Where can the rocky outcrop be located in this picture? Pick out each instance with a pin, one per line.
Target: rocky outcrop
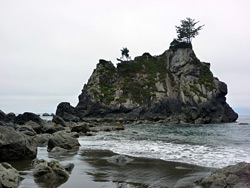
(15, 145)
(235, 176)
(9, 176)
(175, 86)
(64, 140)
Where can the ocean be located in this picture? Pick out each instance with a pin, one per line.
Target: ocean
(211, 145)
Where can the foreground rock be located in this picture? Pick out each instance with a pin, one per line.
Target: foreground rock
(9, 176)
(51, 170)
(15, 145)
(52, 174)
(174, 87)
(64, 140)
(235, 176)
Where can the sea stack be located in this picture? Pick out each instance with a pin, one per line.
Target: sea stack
(172, 87)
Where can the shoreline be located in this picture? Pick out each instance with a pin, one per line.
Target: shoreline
(93, 168)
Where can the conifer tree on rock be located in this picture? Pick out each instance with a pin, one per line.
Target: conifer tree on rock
(187, 30)
(125, 53)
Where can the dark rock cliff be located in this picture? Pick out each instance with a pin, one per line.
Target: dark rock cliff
(174, 87)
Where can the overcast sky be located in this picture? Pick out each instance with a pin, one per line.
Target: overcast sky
(49, 48)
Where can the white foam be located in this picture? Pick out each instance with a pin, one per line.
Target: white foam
(202, 155)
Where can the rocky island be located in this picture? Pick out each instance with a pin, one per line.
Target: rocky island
(172, 87)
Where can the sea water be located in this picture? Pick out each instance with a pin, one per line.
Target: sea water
(210, 145)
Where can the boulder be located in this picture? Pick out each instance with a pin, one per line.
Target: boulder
(50, 170)
(11, 116)
(64, 140)
(106, 129)
(119, 159)
(26, 130)
(46, 114)
(118, 128)
(243, 123)
(28, 116)
(2, 116)
(35, 126)
(234, 176)
(51, 127)
(90, 134)
(9, 176)
(80, 128)
(15, 145)
(59, 120)
(41, 140)
(69, 167)
(58, 150)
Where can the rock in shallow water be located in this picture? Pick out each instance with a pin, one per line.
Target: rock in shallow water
(51, 174)
(235, 176)
(9, 176)
(120, 159)
(51, 170)
(63, 140)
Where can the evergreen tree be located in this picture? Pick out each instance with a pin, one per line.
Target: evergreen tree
(125, 53)
(187, 30)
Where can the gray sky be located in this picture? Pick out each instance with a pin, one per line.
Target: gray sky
(48, 49)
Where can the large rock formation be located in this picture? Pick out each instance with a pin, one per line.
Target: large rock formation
(175, 86)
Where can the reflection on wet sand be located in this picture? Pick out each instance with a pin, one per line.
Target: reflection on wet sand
(95, 169)
(142, 172)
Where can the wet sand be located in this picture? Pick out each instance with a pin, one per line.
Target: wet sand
(93, 170)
